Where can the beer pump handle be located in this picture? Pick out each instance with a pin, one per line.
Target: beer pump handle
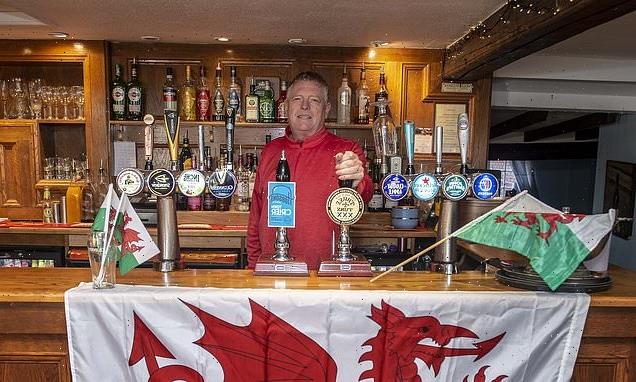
(345, 183)
(462, 132)
(282, 170)
(409, 142)
(201, 132)
(171, 121)
(439, 135)
(148, 145)
(230, 117)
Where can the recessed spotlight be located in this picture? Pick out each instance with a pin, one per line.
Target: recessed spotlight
(58, 34)
(297, 41)
(78, 46)
(222, 39)
(150, 38)
(379, 43)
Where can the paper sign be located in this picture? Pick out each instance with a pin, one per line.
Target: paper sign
(125, 156)
(281, 204)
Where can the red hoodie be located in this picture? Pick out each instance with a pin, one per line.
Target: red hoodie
(312, 167)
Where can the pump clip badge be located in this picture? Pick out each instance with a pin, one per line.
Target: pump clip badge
(281, 204)
(425, 187)
(485, 186)
(161, 182)
(395, 187)
(222, 184)
(455, 187)
(345, 206)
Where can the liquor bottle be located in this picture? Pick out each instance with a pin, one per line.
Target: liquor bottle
(219, 101)
(267, 105)
(188, 98)
(203, 97)
(376, 204)
(382, 94)
(169, 92)
(242, 187)
(282, 114)
(234, 94)
(118, 96)
(47, 206)
(102, 182)
(185, 156)
(362, 98)
(88, 199)
(134, 96)
(251, 104)
(344, 100)
(251, 165)
(74, 203)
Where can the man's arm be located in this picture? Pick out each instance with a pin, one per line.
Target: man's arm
(254, 249)
(352, 165)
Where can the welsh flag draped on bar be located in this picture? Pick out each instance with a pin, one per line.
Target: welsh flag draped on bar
(554, 242)
(134, 244)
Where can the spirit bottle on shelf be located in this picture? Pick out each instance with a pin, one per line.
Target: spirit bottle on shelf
(234, 94)
(188, 98)
(282, 115)
(266, 104)
(169, 92)
(218, 100)
(344, 100)
(251, 104)
(134, 96)
(102, 183)
(376, 204)
(47, 207)
(251, 166)
(382, 94)
(203, 97)
(118, 96)
(242, 187)
(362, 98)
(185, 156)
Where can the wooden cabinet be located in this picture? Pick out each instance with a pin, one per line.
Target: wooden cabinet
(19, 169)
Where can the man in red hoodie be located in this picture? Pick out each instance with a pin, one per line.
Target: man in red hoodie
(317, 160)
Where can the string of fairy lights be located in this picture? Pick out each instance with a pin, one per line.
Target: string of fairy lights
(502, 16)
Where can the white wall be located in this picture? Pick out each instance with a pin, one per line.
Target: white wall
(616, 142)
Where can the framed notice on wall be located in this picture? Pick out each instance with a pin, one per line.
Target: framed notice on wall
(446, 116)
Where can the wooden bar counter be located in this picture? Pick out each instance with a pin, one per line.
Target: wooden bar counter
(33, 345)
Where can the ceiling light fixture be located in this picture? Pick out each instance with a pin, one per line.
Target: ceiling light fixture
(58, 34)
(150, 38)
(222, 39)
(296, 41)
(379, 43)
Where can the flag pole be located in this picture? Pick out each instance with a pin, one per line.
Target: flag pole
(420, 253)
(100, 276)
(474, 221)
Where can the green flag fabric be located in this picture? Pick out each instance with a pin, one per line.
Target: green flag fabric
(555, 243)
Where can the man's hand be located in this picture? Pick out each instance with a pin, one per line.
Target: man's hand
(349, 166)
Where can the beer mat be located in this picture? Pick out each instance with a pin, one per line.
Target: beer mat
(194, 226)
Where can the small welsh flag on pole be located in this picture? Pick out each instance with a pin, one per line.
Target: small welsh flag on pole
(117, 217)
(554, 242)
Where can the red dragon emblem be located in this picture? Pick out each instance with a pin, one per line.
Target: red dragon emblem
(531, 221)
(270, 349)
(397, 345)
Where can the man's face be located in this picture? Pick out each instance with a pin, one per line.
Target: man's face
(308, 109)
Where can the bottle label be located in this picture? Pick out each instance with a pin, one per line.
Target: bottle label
(376, 202)
(203, 104)
(118, 94)
(188, 104)
(251, 109)
(234, 100)
(267, 109)
(282, 112)
(242, 189)
(134, 100)
(345, 98)
(170, 99)
(219, 104)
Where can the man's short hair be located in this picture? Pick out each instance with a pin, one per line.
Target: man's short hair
(312, 76)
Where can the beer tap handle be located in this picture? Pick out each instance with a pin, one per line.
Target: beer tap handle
(230, 117)
(439, 136)
(201, 131)
(171, 121)
(345, 183)
(462, 132)
(282, 170)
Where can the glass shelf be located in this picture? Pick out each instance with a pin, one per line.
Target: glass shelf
(262, 125)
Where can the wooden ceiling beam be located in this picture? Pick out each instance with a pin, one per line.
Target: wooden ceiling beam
(519, 122)
(496, 43)
(581, 123)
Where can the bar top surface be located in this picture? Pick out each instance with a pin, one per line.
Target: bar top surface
(47, 285)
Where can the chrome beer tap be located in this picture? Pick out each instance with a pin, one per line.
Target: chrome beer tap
(281, 244)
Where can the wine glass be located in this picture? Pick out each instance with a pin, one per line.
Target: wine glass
(78, 97)
(35, 96)
(65, 98)
(56, 100)
(20, 106)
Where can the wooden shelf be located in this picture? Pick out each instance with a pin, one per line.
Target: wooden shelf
(49, 121)
(56, 184)
(259, 125)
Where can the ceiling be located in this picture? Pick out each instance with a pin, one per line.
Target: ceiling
(402, 23)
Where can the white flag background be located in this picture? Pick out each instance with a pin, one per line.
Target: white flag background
(541, 340)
